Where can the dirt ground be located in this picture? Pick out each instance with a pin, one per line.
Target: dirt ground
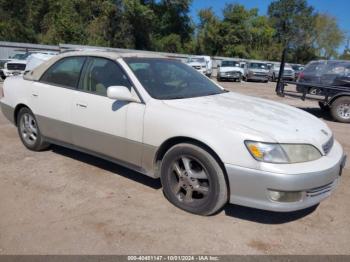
(64, 202)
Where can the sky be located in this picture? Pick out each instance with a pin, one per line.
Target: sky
(340, 9)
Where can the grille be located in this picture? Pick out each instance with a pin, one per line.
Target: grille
(328, 145)
(260, 74)
(317, 191)
(232, 73)
(16, 66)
(287, 72)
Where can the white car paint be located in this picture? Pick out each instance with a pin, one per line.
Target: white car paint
(231, 68)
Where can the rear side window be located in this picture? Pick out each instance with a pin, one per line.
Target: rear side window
(65, 72)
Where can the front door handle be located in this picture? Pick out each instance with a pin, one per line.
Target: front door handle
(81, 105)
(35, 95)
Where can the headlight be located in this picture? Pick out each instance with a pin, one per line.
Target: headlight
(282, 153)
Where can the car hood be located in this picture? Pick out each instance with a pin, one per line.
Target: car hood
(275, 121)
(16, 61)
(196, 64)
(230, 69)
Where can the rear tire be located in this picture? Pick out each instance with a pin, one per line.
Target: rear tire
(193, 180)
(29, 132)
(340, 109)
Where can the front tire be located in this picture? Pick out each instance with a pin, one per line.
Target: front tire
(340, 109)
(29, 132)
(193, 180)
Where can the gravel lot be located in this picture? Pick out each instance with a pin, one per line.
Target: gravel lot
(64, 202)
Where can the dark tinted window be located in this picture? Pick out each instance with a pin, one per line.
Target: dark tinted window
(65, 72)
(230, 63)
(257, 66)
(102, 73)
(170, 79)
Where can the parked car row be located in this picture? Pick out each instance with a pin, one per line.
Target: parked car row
(256, 71)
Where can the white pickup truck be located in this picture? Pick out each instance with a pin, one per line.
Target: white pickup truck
(202, 64)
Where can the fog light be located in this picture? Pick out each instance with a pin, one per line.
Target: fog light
(283, 196)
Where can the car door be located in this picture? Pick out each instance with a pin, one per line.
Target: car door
(102, 125)
(52, 98)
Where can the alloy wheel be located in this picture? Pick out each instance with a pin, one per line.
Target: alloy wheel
(28, 128)
(189, 180)
(343, 111)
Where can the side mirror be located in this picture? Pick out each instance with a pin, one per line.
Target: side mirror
(121, 93)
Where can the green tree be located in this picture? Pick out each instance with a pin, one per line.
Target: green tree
(209, 37)
(141, 19)
(328, 36)
(245, 33)
(62, 23)
(20, 20)
(293, 21)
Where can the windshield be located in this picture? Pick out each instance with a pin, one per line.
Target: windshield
(258, 66)
(196, 59)
(171, 79)
(21, 56)
(229, 63)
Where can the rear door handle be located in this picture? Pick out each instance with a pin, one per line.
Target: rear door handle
(35, 95)
(81, 105)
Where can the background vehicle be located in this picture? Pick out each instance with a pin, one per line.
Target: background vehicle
(324, 72)
(18, 63)
(36, 59)
(14, 67)
(327, 82)
(297, 69)
(288, 73)
(202, 64)
(230, 70)
(257, 71)
(2, 66)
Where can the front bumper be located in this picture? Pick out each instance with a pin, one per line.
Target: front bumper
(8, 73)
(258, 77)
(250, 187)
(235, 75)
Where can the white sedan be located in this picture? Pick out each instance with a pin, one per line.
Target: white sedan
(162, 118)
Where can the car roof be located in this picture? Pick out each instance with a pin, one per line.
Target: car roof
(37, 72)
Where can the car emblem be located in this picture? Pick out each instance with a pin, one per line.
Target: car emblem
(324, 132)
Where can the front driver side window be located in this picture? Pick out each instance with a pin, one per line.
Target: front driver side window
(65, 72)
(102, 73)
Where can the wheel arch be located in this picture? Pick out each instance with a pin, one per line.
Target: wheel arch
(339, 95)
(16, 111)
(167, 144)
